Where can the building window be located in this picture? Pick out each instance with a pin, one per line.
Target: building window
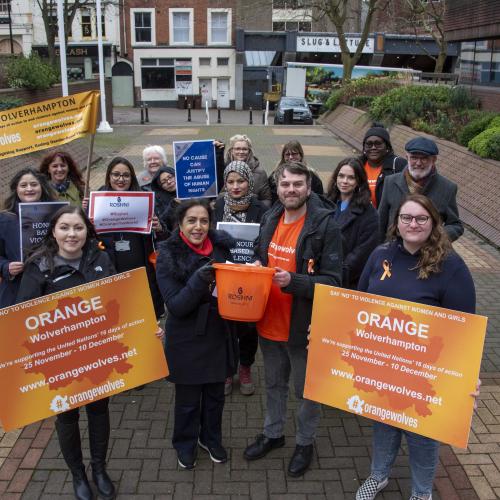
(291, 26)
(157, 74)
(219, 26)
(205, 61)
(290, 4)
(181, 26)
(4, 7)
(103, 26)
(480, 62)
(86, 23)
(143, 26)
(223, 61)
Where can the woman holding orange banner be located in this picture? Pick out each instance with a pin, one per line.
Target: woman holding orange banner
(199, 346)
(416, 264)
(27, 186)
(69, 256)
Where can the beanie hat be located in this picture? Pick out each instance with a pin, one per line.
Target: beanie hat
(378, 131)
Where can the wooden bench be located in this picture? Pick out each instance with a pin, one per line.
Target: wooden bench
(448, 78)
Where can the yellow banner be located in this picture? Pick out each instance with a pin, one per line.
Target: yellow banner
(67, 349)
(409, 365)
(46, 124)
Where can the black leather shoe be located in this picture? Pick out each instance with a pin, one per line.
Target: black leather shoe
(262, 446)
(301, 460)
(81, 486)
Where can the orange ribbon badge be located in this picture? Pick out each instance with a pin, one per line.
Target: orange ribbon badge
(387, 270)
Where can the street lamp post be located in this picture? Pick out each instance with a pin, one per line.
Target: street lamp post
(9, 12)
(62, 47)
(104, 125)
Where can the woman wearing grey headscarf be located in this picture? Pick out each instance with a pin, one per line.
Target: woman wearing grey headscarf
(239, 204)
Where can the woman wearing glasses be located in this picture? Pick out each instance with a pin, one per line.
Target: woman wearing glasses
(240, 149)
(293, 151)
(379, 160)
(422, 268)
(130, 250)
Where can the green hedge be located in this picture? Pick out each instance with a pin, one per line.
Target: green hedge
(487, 143)
(30, 73)
(476, 125)
(10, 102)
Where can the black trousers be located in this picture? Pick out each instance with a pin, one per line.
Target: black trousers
(248, 341)
(93, 409)
(198, 414)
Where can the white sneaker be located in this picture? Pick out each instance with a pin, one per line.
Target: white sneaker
(370, 488)
(415, 497)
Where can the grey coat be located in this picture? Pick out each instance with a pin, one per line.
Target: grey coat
(441, 191)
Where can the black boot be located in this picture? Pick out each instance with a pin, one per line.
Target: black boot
(69, 440)
(98, 438)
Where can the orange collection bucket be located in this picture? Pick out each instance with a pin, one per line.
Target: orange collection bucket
(242, 290)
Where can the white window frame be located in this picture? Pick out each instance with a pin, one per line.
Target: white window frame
(152, 11)
(181, 10)
(229, 27)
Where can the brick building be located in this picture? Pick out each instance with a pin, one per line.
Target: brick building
(477, 26)
(179, 49)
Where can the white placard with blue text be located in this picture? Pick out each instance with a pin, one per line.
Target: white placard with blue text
(195, 169)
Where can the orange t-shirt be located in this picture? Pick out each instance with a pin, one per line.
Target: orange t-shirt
(275, 325)
(372, 173)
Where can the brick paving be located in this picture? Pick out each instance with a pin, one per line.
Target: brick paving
(141, 459)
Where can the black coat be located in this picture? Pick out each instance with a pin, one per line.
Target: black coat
(254, 213)
(391, 165)
(321, 241)
(37, 280)
(359, 226)
(9, 252)
(200, 346)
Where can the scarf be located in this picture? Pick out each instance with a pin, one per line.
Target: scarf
(236, 210)
(62, 187)
(206, 248)
(414, 186)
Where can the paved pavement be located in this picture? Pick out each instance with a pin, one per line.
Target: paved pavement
(141, 459)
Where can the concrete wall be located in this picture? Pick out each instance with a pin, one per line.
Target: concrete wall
(478, 179)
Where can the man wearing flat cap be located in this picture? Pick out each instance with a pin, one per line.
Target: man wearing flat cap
(421, 176)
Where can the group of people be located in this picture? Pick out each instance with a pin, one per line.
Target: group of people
(378, 212)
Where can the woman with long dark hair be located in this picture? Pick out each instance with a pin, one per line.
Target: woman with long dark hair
(199, 344)
(358, 219)
(129, 250)
(27, 186)
(69, 256)
(423, 268)
(64, 176)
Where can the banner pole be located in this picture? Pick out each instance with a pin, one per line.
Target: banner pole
(89, 159)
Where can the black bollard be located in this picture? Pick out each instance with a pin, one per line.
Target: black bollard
(146, 109)
(251, 119)
(189, 112)
(263, 117)
(218, 115)
(142, 114)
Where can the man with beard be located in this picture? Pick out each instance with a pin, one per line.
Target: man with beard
(420, 176)
(300, 239)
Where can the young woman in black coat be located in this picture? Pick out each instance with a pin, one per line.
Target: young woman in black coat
(199, 344)
(68, 257)
(239, 204)
(130, 250)
(348, 190)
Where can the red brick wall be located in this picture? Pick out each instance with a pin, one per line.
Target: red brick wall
(162, 19)
(466, 19)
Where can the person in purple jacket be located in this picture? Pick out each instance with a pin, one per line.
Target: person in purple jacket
(417, 263)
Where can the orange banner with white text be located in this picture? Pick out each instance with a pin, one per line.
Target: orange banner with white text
(47, 124)
(402, 363)
(67, 349)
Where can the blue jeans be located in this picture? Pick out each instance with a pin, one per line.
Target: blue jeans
(280, 360)
(423, 453)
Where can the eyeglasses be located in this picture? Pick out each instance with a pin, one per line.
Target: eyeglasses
(289, 154)
(419, 219)
(415, 159)
(117, 175)
(374, 144)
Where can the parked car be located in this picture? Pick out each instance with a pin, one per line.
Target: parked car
(301, 111)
